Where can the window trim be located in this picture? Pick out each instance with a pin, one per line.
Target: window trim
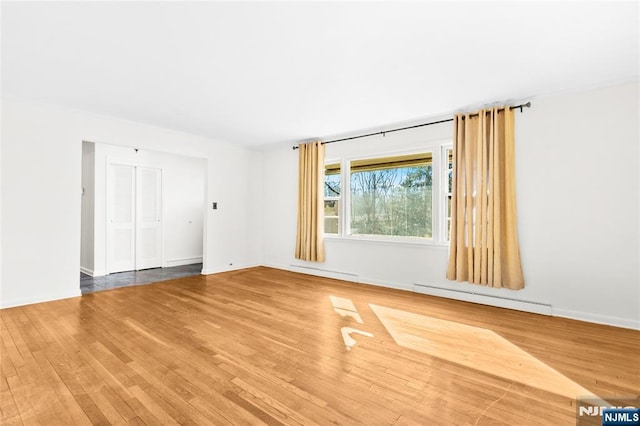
(437, 148)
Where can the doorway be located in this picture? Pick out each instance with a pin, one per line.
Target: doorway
(143, 214)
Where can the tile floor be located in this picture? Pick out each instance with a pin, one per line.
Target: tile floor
(89, 284)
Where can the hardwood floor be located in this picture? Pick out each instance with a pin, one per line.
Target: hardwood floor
(267, 346)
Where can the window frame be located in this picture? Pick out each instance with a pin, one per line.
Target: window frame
(439, 218)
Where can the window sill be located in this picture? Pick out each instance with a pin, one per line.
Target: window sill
(389, 241)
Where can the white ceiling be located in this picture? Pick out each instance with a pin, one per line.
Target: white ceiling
(266, 72)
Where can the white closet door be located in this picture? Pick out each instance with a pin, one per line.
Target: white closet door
(149, 218)
(121, 224)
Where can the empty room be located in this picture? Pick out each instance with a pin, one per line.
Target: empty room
(313, 213)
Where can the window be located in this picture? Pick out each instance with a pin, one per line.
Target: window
(332, 180)
(396, 197)
(392, 196)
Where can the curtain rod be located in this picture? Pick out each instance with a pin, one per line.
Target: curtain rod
(383, 132)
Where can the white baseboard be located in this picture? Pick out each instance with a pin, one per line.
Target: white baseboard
(500, 302)
(99, 273)
(181, 262)
(39, 298)
(228, 268)
(598, 319)
(87, 271)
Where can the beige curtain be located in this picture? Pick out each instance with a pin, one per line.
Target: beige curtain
(309, 240)
(484, 240)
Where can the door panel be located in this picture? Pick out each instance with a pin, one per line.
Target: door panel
(121, 219)
(149, 218)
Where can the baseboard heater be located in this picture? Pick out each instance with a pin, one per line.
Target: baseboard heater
(474, 297)
(346, 276)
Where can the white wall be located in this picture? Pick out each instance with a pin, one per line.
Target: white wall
(183, 199)
(183, 202)
(579, 203)
(578, 192)
(41, 206)
(88, 208)
(1, 186)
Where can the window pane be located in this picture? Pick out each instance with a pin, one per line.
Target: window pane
(332, 180)
(331, 216)
(387, 200)
(331, 208)
(330, 225)
(332, 186)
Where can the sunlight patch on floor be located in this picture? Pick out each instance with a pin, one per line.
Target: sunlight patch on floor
(476, 348)
(345, 308)
(349, 341)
